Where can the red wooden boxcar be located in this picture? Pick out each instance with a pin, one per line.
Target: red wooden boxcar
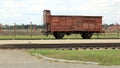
(59, 25)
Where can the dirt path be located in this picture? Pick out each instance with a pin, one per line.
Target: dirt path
(21, 59)
(59, 41)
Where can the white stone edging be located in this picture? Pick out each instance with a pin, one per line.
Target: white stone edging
(61, 60)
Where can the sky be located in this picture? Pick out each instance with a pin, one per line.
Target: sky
(26, 11)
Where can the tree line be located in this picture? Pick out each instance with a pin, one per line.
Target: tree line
(22, 26)
(34, 26)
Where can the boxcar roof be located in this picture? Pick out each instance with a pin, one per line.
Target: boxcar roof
(74, 16)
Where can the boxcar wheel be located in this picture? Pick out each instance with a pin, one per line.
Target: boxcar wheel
(86, 35)
(58, 35)
(83, 36)
(55, 35)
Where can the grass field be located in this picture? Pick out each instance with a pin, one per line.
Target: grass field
(104, 57)
(73, 36)
(26, 37)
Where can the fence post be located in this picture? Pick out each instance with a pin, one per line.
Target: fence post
(98, 35)
(1, 28)
(14, 29)
(118, 33)
(31, 29)
(34, 28)
(104, 34)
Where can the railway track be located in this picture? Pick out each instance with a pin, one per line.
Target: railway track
(61, 44)
(70, 46)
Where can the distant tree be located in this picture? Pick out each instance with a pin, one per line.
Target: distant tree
(6, 26)
(9, 27)
(111, 24)
(105, 26)
(0, 27)
(22, 26)
(27, 26)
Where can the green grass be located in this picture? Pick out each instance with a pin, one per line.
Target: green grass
(104, 57)
(73, 36)
(26, 37)
(107, 35)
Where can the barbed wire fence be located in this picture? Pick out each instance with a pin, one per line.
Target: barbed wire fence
(31, 30)
(13, 31)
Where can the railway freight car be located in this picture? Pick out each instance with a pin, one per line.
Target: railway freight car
(59, 25)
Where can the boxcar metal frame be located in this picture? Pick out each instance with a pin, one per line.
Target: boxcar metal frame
(59, 25)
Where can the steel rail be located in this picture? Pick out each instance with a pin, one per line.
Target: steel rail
(70, 45)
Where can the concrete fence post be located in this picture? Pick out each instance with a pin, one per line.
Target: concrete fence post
(15, 29)
(31, 29)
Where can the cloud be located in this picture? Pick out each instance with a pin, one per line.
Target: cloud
(31, 10)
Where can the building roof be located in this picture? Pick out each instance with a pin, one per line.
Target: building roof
(114, 28)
